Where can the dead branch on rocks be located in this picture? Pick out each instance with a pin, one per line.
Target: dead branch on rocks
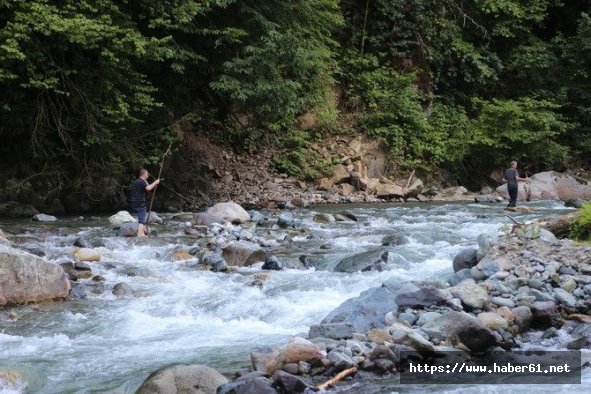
(338, 377)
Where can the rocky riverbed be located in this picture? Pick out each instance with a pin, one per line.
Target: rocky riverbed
(520, 288)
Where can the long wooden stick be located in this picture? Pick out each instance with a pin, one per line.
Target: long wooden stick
(156, 187)
(340, 376)
(409, 179)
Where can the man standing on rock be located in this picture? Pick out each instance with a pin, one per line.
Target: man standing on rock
(139, 187)
(511, 178)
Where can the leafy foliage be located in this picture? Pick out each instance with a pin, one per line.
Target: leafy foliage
(92, 89)
(581, 229)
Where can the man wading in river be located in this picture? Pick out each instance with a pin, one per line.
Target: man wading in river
(511, 178)
(139, 187)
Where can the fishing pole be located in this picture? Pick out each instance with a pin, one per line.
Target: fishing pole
(156, 187)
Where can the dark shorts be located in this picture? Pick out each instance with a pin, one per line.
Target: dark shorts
(140, 211)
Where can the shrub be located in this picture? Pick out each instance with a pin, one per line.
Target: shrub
(581, 229)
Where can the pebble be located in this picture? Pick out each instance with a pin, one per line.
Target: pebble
(503, 302)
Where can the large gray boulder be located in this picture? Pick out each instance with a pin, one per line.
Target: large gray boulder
(550, 185)
(25, 278)
(243, 253)
(206, 219)
(465, 259)
(369, 309)
(186, 379)
(230, 212)
(460, 327)
(121, 217)
(363, 261)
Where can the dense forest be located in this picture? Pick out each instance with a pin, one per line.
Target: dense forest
(90, 89)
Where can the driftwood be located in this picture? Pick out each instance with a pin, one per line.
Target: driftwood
(409, 179)
(338, 377)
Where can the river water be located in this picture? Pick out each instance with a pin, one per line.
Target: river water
(180, 315)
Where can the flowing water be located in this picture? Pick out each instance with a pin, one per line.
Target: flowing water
(181, 315)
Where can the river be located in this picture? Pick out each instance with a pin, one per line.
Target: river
(181, 315)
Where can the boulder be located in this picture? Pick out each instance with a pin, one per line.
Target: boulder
(324, 218)
(86, 254)
(41, 217)
(460, 276)
(362, 261)
(371, 306)
(340, 174)
(461, 327)
(288, 383)
(14, 209)
(395, 240)
(575, 203)
(325, 184)
(561, 225)
(285, 220)
(332, 331)
(544, 314)
(153, 217)
(465, 259)
(128, 229)
(550, 185)
(25, 278)
(230, 212)
(523, 317)
(300, 349)
(188, 379)
(425, 297)
(472, 295)
(121, 217)
(243, 253)
(258, 385)
(493, 320)
(121, 290)
(205, 219)
(272, 263)
(387, 190)
(415, 188)
(347, 189)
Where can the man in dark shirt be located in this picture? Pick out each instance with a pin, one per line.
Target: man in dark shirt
(511, 177)
(139, 187)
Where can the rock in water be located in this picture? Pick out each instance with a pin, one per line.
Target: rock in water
(189, 379)
(362, 261)
(230, 212)
(121, 217)
(154, 218)
(243, 253)
(41, 217)
(285, 220)
(25, 277)
(465, 259)
(86, 254)
(128, 229)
